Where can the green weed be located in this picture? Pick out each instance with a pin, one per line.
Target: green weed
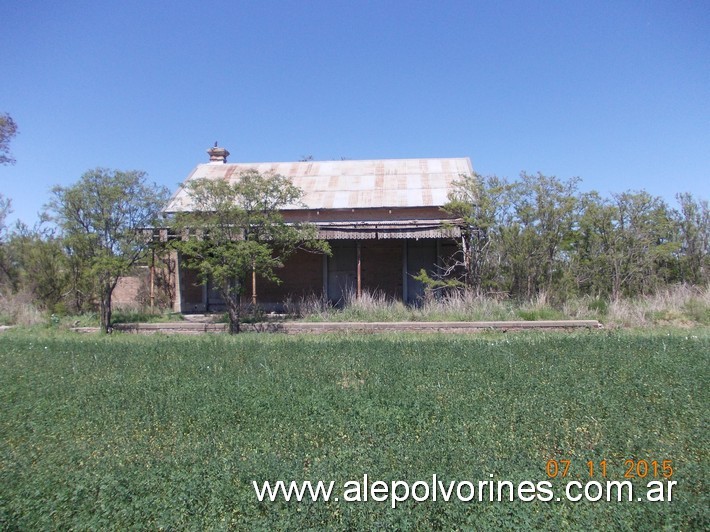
(697, 311)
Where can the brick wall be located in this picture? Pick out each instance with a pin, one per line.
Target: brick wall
(128, 290)
(133, 291)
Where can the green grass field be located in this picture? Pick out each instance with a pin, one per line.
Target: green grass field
(169, 432)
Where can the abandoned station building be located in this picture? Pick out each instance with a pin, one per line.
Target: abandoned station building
(382, 218)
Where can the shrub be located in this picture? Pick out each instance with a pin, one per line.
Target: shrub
(697, 310)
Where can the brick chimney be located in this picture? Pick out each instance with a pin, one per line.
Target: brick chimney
(218, 155)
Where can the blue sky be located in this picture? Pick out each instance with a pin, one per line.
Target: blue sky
(617, 92)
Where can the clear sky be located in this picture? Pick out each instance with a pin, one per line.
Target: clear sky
(615, 92)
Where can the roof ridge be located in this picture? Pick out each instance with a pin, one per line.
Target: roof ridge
(344, 161)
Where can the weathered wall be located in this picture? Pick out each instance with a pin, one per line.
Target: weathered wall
(190, 291)
(134, 291)
(302, 275)
(381, 267)
(128, 290)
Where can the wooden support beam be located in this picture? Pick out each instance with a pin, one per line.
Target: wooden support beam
(325, 278)
(405, 291)
(177, 304)
(359, 271)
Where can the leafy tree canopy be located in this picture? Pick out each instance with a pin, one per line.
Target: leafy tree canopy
(8, 129)
(236, 228)
(102, 217)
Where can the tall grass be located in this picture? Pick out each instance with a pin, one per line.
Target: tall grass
(676, 305)
(19, 309)
(679, 305)
(144, 315)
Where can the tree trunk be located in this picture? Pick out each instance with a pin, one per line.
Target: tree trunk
(233, 298)
(233, 311)
(105, 309)
(615, 282)
(466, 260)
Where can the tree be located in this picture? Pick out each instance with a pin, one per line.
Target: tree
(643, 226)
(597, 247)
(238, 228)
(624, 244)
(5, 268)
(536, 240)
(102, 217)
(693, 225)
(478, 205)
(515, 237)
(5, 209)
(8, 129)
(39, 264)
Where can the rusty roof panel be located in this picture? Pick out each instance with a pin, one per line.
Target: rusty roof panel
(349, 184)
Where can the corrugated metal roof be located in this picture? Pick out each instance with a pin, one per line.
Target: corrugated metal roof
(349, 184)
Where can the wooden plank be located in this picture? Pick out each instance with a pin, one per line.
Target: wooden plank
(359, 269)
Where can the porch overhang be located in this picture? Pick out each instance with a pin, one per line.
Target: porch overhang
(381, 230)
(370, 230)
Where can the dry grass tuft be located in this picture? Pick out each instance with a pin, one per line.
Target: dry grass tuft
(676, 305)
(18, 309)
(680, 305)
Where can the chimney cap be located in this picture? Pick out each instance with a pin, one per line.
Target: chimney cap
(218, 154)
